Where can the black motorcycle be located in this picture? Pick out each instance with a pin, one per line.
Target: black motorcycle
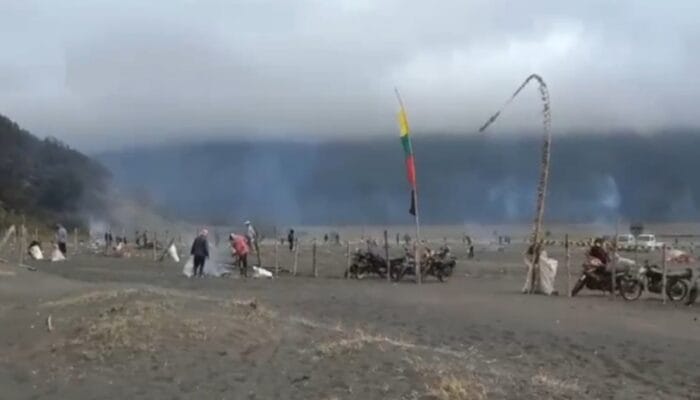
(597, 278)
(652, 276)
(365, 263)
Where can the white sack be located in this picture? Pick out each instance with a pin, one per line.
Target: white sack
(188, 270)
(35, 253)
(548, 272)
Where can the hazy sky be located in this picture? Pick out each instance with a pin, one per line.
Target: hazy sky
(105, 72)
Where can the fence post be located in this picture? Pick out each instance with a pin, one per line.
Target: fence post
(347, 259)
(296, 257)
(568, 264)
(155, 242)
(313, 259)
(20, 247)
(75, 240)
(277, 259)
(663, 281)
(386, 254)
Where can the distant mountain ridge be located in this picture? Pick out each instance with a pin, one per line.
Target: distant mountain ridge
(485, 179)
(46, 180)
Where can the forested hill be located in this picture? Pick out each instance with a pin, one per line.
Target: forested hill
(46, 180)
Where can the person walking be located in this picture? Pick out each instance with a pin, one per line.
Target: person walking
(61, 238)
(200, 252)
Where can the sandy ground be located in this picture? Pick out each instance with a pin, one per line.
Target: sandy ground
(135, 328)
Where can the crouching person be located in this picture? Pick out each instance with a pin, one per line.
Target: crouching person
(239, 244)
(200, 252)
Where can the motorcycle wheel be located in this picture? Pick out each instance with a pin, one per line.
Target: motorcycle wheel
(580, 283)
(630, 289)
(677, 290)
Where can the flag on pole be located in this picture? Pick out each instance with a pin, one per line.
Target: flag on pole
(410, 159)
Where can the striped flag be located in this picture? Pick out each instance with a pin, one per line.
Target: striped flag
(410, 159)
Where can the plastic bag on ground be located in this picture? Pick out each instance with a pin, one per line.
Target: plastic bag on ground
(172, 252)
(56, 255)
(188, 269)
(261, 273)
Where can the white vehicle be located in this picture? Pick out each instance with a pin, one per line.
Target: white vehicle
(647, 241)
(626, 242)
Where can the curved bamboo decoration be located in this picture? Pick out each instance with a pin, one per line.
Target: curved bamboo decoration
(533, 274)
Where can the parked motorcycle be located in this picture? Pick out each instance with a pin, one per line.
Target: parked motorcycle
(365, 263)
(439, 264)
(677, 283)
(596, 278)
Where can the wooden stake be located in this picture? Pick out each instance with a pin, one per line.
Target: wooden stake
(386, 254)
(296, 257)
(313, 259)
(663, 280)
(36, 234)
(568, 264)
(75, 240)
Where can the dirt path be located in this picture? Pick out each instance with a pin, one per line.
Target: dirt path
(331, 338)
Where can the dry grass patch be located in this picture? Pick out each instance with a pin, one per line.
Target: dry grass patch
(451, 387)
(137, 326)
(356, 341)
(553, 384)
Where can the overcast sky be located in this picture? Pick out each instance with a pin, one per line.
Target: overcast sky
(106, 72)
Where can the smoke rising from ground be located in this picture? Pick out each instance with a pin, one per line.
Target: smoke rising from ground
(460, 179)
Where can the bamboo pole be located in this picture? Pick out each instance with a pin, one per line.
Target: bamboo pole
(296, 257)
(386, 254)
(568, 264)
(313, 259)
(663, 280)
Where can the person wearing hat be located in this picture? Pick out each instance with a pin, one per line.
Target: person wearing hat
(200, 252)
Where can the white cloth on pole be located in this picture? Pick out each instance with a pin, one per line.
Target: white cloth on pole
(547, 275)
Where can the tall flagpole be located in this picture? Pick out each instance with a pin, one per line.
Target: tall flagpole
(416, 215)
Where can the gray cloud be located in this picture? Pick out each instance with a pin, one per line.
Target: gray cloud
(106, 72)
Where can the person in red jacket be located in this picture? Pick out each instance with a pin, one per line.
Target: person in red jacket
(239, 244)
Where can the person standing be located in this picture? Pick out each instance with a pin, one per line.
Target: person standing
(290, 239)
(61, 238)
(253, 240)
(200, 252)
(240, 247)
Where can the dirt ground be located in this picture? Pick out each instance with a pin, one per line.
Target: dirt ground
(135, 328)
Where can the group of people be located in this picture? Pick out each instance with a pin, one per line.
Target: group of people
(240, 248)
